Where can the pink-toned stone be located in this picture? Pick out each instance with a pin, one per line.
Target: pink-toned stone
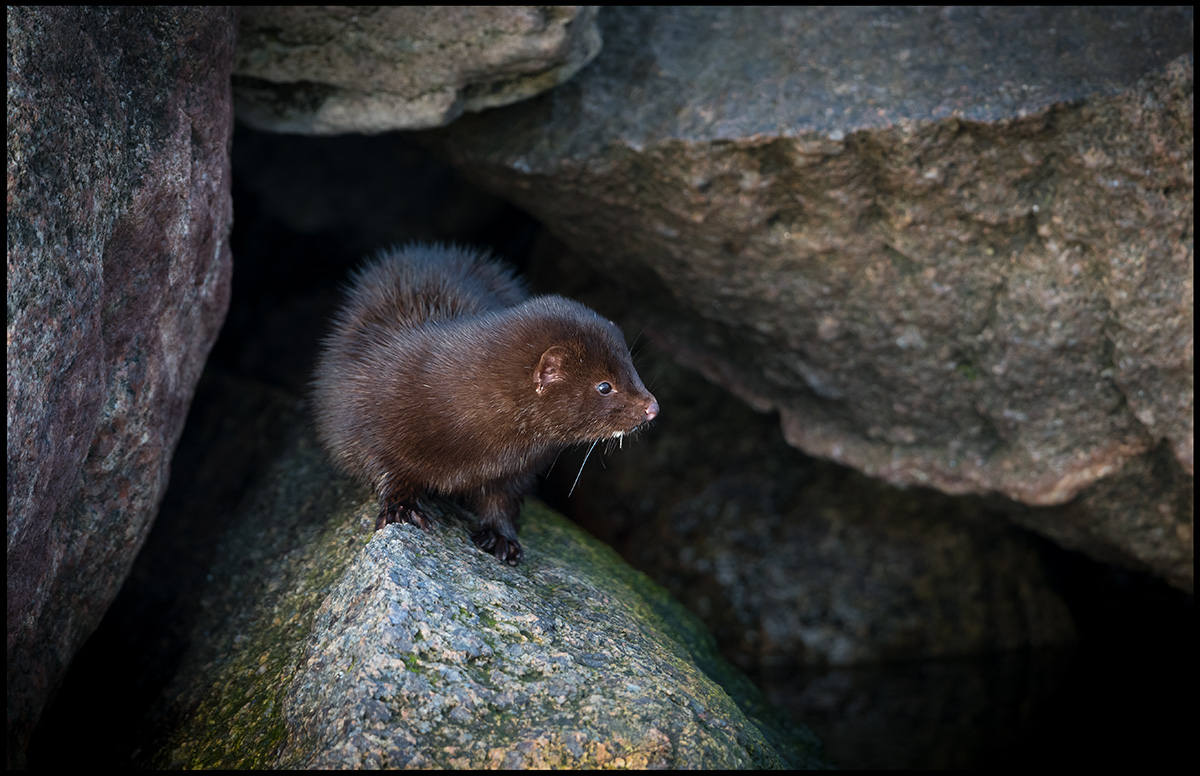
(119, 122)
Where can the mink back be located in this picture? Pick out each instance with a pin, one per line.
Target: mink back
(386, 301)
(406, 287)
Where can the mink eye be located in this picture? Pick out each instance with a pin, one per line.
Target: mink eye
(604, 388)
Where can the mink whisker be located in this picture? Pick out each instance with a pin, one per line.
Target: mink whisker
(577, 476)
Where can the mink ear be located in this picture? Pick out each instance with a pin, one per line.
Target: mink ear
(550, 368)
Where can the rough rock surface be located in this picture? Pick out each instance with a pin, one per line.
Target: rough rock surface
(327, 70)
(323, 643)
(952, 247)
(119, 121)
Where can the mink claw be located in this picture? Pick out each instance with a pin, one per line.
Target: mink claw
(507, 550)
(401, 513)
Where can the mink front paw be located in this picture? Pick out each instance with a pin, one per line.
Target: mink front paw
(504, 548)
(398, 512)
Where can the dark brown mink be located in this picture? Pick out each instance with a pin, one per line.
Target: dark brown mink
(442, 375)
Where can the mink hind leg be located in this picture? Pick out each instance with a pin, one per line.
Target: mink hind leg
(497, 509)
(398, 504)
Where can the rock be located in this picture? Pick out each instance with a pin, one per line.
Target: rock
(119, 121)
(953, 248)
(319, 642)
(327, 70)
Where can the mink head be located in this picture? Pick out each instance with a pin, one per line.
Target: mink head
(583, 378)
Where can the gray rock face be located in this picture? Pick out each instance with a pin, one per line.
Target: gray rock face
(323, 643)
(118, 279)
(418, 662)
(951, 247)
(326, 70)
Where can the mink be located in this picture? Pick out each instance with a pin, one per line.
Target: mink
(442, 375)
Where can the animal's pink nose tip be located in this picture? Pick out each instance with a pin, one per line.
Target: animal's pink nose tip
(652, 410)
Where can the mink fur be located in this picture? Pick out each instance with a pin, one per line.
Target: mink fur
(442, 375)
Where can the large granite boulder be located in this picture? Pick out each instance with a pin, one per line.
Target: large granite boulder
(314, 641)
(952, 248)
(119, 121)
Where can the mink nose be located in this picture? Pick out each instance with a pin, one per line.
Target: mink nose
(652, 410)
